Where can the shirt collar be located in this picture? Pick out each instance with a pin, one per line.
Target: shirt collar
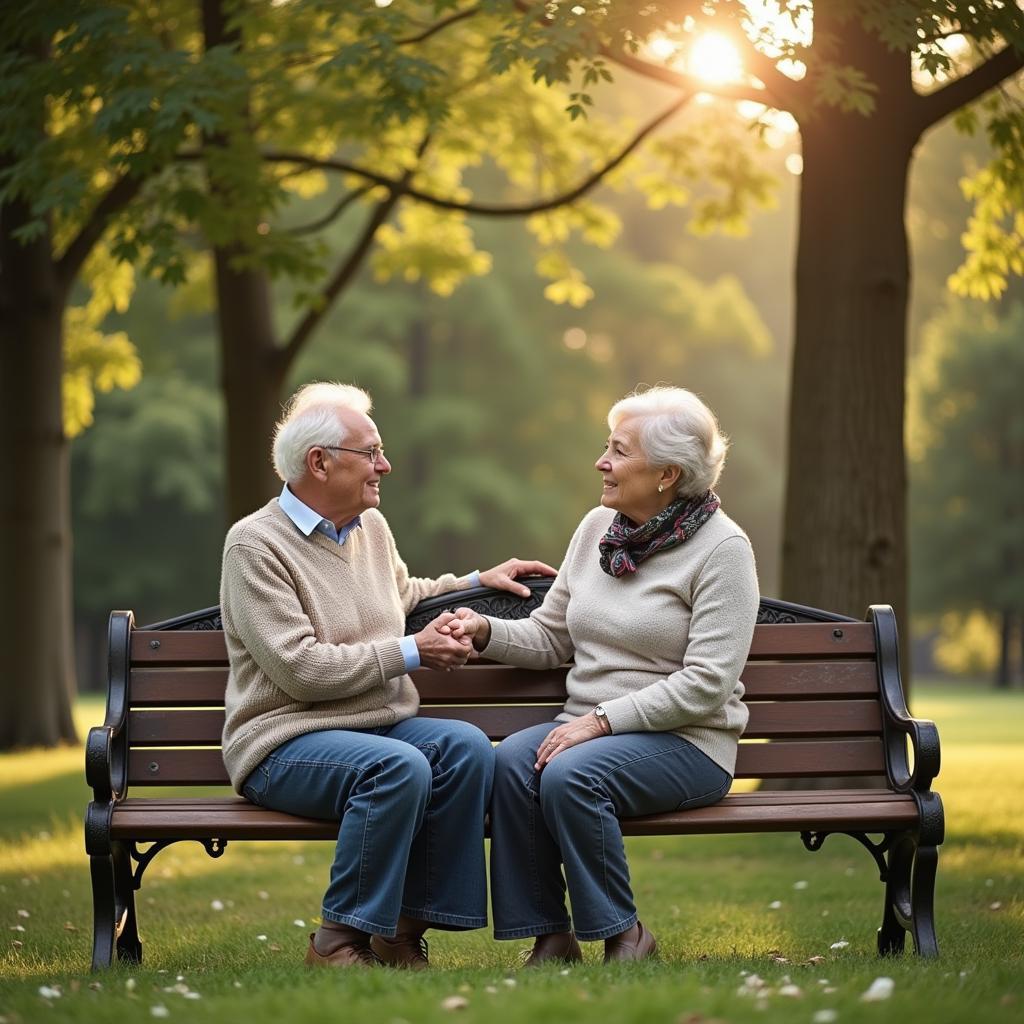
(308, 519)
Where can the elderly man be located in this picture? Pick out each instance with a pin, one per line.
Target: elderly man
(320, 710)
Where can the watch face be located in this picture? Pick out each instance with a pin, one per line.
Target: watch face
(600, 711)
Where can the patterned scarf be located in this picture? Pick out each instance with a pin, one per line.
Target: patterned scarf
(625, 545)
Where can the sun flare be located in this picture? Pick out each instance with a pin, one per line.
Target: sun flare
(714, 58)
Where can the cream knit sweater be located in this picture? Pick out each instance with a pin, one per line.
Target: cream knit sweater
(662, 649)
(312, 630)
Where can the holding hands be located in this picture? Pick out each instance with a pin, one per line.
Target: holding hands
(448, 641)
(440, 647)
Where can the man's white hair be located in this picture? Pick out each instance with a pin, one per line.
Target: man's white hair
(676, 429)
(311, 418)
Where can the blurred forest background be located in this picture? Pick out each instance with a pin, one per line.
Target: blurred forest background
(492, 402)
(494, 329)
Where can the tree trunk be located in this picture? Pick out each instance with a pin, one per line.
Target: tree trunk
(1005, 634)
(844, 532)
(844, 539)
(252, 375)
(37, 680)
(252, 363)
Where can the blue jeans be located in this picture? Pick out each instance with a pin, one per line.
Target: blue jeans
(411, 798)
(567, 817)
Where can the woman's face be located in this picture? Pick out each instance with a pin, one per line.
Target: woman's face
(630, 482)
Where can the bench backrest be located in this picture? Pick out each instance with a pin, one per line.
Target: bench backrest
(814, 689)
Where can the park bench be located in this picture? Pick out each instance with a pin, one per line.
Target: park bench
(823, 689)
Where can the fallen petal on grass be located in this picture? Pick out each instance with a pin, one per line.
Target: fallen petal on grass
(841, 944)
(454, 1003)
(880, 988)
(775, 905)
(216, 905)
(800, 885)
(159, 1011)
(50, 991)
(825, 1017)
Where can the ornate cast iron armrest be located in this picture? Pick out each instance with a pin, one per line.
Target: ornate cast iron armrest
(106, 749)
(98, 757)
(897, 722)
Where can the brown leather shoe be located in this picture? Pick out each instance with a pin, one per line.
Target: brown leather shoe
(407, 951)
(636, 943)
(351, 954)
(560, 946)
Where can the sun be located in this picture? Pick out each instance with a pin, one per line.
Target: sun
(714, 58)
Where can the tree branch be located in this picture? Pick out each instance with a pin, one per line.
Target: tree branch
(438, 26)
(479, 209)
(347, 268)
(937, 105)
(119, 195)
(333, 214)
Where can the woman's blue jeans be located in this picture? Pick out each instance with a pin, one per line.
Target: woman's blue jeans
(566, 817)
(411, 799)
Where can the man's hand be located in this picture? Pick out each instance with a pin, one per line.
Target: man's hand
(568, 735)
(439, 648)
(503, 577)
(468, 623)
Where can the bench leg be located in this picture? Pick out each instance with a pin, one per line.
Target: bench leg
(909, 898)
(129, 948)
(896, 913)
(922, 898)
(103, 911)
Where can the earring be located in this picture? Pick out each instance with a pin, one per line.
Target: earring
(660, 488)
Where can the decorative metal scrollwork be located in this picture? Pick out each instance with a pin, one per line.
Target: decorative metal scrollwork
(143, 858)
(814, 841)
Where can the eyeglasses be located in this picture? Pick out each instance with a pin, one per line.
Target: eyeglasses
(374, 453)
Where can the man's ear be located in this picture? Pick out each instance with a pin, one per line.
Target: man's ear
(316, 464)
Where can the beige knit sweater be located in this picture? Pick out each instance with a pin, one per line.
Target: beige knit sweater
(312, 630)
(662, 649)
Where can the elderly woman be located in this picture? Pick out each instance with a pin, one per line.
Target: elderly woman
(656, 602)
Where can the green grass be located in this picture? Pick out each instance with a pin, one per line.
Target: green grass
(707, 899)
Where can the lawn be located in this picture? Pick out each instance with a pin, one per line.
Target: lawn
(224, 938)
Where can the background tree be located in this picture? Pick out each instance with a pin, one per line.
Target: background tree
(863, 81)
(966, 443)
(93, 107)
(403, 110)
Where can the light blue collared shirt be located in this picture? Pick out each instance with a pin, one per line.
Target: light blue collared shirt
(308, 521)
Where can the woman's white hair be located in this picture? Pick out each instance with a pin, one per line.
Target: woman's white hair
(676, 429)
(311, 418)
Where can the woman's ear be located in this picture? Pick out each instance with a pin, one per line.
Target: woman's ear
(669, 478)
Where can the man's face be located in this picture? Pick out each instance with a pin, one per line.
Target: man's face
(353, 480)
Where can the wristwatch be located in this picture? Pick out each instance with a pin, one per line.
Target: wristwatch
(602, 717)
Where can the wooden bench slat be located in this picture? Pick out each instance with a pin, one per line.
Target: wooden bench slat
(784, 759)
(501, 684)
(804, 640)
(234, 818)
(203, 728)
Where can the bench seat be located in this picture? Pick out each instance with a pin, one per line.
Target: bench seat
(147, 819)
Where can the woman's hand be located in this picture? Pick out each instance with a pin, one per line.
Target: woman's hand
(588, 727)
(470, 625)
